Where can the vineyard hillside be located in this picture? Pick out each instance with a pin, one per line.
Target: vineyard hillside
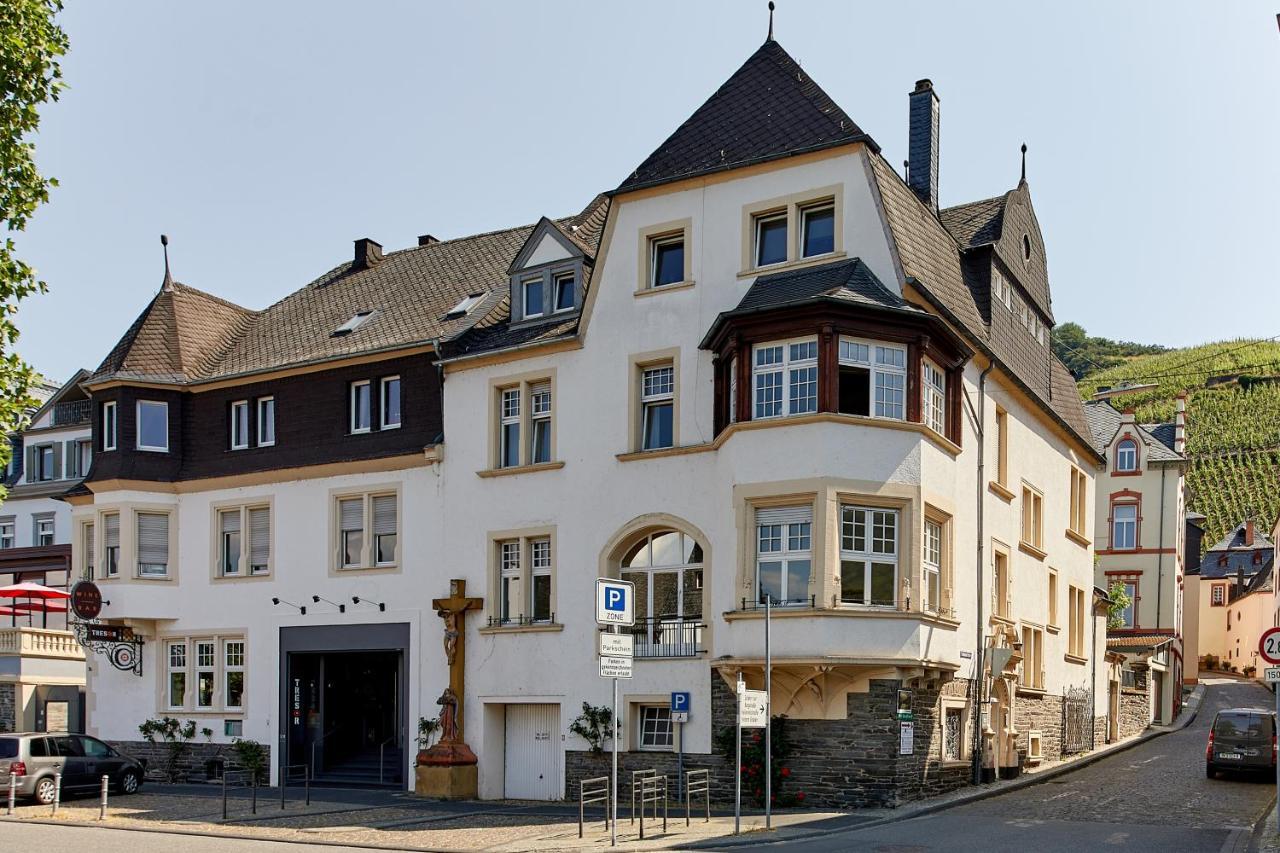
(1233, 427)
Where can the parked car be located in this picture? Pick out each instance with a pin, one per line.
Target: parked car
(1241, 739)
(35, 757)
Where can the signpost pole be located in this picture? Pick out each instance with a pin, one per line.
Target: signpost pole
(737, 764)
(1269, 649)
(613, 807)
(768, 720)
(680, 763)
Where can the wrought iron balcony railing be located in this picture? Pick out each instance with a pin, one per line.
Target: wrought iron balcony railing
(519, 620)
(74, 412)
(667, 637)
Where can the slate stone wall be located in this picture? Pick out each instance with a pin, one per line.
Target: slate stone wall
(192, 767)
(8, 707)
(1135, 710)
(1042, 713)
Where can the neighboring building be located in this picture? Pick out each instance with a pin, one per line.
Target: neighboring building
(1236, 598)
(42, 671)
(1140, 540)
(764, 364)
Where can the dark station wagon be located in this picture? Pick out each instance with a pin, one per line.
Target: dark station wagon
(34, 758)
(1241, 739)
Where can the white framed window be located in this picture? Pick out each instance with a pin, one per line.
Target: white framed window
(934, 391)
(509, 580)
(153, 544)
(931, 590)
(540, 588)
(509, 428)
(564, 292)
(368, 530)
(84, 457)
(784, 554)
(869, 555)
(233, 674)
(153, 425)
(259, 540)
(176, 688)
(657, 403)
(8, 532)
(540, 423)
(361, 418)
(109, 425)
(655, 729)
(351, 531)
(229, 544)
(1124, 526)
(44, 463)
(384, 529)
(733, 390)
(771, 238)
(666, 567)
(110, 544)
(44, 532)
(785, 378)
(266, 421)
(1127, 455)
(1219, 595)
(873, 379)
(817, 229)
(206, 672)
(390, 408)
(1129, 615)
(240, 425)
(1032, 517)
(531, 293)
(666, 260)
(87, 541)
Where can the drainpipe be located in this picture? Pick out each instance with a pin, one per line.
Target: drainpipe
(978, 657)
(1093, 675)
(1164, 470)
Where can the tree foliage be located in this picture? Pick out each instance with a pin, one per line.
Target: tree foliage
(1120, 602)
(31, 45)
(593, 725)
(1083, 354)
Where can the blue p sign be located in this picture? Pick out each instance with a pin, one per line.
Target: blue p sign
(615, 598)
(614, 602)
(680, 702)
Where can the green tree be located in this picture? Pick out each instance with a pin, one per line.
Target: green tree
(1083, 354)
(1120, 602)
(31, 44)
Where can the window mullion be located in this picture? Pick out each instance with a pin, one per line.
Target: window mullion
(366, 544)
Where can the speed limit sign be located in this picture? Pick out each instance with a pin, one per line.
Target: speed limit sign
(1269, 646)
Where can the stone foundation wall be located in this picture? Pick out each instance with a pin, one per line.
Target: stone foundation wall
(192, 767)
(1135, 711)
(1100, 731)
(1042, 713)
(8, 707)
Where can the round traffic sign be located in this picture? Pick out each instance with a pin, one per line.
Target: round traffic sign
(1269, 646)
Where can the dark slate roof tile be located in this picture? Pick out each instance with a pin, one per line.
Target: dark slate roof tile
(977, 223)
(849, 280)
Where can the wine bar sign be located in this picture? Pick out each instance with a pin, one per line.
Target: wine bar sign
(118, 642)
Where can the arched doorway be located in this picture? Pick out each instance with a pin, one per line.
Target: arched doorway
(667, 566)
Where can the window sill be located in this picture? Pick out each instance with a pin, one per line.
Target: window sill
(355, 570)
(1028, 548)
(153, 578)
(952, 764)
(519, 469)
(232, 578)
(997, 619)
(788, 265)
(536, 628)
(1000, 491)
(1023, 689)
(1137, 473)
(1052, 629)
(1078, 538)
(1070, 658)
(665, 288)
(662, 452)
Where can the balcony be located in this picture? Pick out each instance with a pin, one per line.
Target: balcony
(667, 637)
(73, 413)
(40, 643)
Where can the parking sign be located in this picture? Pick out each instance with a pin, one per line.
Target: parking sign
(680, 703)
(615, 602)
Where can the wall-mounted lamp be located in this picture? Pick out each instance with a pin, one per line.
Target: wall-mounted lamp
(355, 599)
(278, 602)
(342, 608)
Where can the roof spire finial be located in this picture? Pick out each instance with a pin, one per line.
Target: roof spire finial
(770, 38)
(1024, 163)
(167, 285)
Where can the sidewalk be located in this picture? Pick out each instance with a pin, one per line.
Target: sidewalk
(400, 821)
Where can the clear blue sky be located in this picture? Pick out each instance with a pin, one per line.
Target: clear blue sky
(265, 137)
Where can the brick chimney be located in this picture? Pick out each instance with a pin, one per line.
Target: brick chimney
(1248, 532)
(368, 254)
(427, 240)
(1180, 424)
(922, 143)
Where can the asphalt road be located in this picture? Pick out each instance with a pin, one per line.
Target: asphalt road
(1153, 797)
(46, 838)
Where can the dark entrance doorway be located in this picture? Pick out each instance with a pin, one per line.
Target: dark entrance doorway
(345, 711)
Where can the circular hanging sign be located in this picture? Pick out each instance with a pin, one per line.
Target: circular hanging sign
(1269, 646)
(86, 600)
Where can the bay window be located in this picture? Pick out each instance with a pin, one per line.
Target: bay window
(873, 379)
(785, 378)
(868, 556)
(933, 407)
(931, 584)
(784, 554)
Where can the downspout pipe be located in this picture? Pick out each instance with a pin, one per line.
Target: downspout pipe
(978, 656)
(1164, 470)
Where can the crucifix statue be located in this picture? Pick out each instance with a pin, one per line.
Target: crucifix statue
(453, 610)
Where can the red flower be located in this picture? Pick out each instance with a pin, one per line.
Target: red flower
(800, 796)
(786, 771)
(743, 768)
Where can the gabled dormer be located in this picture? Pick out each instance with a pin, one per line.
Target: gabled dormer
(546, 277)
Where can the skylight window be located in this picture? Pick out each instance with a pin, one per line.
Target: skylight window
(464, 306)
(357, 320)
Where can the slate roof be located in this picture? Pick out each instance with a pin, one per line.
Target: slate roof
(977, 223)
(848, 280)
(931, 260)
(769, 109)
(1104, 422)
(1239, 556)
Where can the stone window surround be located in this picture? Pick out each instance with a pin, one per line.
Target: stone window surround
(636, 365)
(1126, 497)
(128, 562)
(791, 205)
(36, 518)
(1078, 513)
(826, 495)
(951, 703)
(493, 598)
(216, 508)
(188, 707)
(367, 492)
(523, 381)
(633, 702)
(645, 271)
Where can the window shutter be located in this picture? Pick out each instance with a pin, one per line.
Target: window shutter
(230, 521)
(153, 538)
(351, 514)
(111, 531)
(384, 514)
(57, 460)
(88, 545)
(31, 464)
(259, 536)
(784, 515)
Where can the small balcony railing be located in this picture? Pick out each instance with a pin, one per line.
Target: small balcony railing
(808, 601)
(74, 412)
(519, 620)
(667, 637)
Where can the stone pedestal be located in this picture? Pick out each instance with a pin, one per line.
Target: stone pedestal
(447, 771)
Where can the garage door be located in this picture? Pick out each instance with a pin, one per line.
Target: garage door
(533, 752)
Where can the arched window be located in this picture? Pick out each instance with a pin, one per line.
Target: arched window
(1127, 455)
(666, 567)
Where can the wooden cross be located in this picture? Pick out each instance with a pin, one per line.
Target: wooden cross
(453, 611)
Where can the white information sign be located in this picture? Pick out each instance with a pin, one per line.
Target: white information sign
(753, 709)
(615, 667)
(1272, 673)
(617, 646)
(615, 602)
(679, 716)
(907, 741)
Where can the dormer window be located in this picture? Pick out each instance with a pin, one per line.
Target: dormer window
(357, 320)
(464, 306)
(1127, 455)
(564, 292)
(818, 235)
(532, 295)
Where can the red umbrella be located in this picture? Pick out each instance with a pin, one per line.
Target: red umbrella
(39, 607)
(27, 589)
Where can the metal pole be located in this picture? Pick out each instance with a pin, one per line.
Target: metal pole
(306, 783)
(737, 764)
(57, 791)
(680, 763)
(284, 777)
(613, 806)
(102, 805)
(253, 783)
(224, 794)
(13, 792)
(768, 717)
(1277, 687)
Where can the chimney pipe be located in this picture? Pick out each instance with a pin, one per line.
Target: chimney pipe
(368, 254)
(1180, 424)
(427, 240)
(1248, 532)
(922, 143)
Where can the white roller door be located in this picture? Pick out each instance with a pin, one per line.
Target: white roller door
(532, 752)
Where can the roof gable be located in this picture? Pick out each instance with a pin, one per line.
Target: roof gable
(768, 109)
(547, 244)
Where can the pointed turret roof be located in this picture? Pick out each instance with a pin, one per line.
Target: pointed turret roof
(770, 108)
